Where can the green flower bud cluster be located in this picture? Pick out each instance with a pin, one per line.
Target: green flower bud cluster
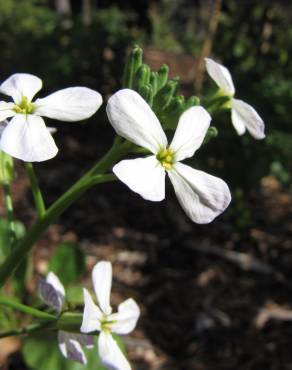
(160, 92)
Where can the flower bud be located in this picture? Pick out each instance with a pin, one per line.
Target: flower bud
(133, 62)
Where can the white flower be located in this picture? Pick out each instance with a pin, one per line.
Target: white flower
(243, 115)
(202, 196)
(26, 136)
(102, 319)
(52, 293)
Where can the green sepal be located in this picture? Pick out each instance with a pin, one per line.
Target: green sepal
(70, 321)
(211, 134)
(141, 77)
(218, 103)
(164, 96)
(171, 115)
(154, 82)
(147, 93)
(192, 102)
(162, 76)
(133, 62)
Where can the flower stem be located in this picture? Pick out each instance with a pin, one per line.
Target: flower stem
(36, 192)
(26, 330)
(9, 210)
(8, 302)
(94, 176)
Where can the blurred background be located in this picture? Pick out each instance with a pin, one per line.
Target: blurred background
(216, 296)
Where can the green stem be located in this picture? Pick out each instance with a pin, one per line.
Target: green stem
(70, 321)
(9, 210)
(36, 192)
(92, 177)
(26, 330)
(4, 301)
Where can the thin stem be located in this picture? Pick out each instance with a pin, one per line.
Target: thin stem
(26, 330)
(4, 301)
(36, 192)
(94, 176)
(9, 210)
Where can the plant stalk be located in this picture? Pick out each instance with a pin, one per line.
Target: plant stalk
(94, 176)
(36, 192)
(8, 302)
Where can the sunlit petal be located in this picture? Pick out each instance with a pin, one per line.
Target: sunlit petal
(6, 110)
(145, 176)
(133, 119)
(243, 114)
(27, 138)
(71, 104)
(191, 130)
(126, 317)
(102, 283)
(220, 75)
(110, 354)
(202, 196)
(21, 85)
(91, 314)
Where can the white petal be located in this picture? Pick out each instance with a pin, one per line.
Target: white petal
(6, 110)
(71, 104)
(85, 340)
(56, 283)
(102, 283)
(52, 292)
(191, 130)
(237, 123)
(21, 84)
(126, 317)
(27, 138)
(202, 196)
(3, 126)
(243, 114)
(70, 347)
(52, 130)
(133, 119)
(145, 176)
(91, 314)
(220, 75)
(110, 354)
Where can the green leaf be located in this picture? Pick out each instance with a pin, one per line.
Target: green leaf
(74, 295)
(68, 262)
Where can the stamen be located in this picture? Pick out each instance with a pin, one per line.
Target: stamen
(106, 325)
(24, 107)
(166, 158)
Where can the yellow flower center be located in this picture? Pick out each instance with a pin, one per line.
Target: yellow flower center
(166, 158)
(24, 107)
(105, 325)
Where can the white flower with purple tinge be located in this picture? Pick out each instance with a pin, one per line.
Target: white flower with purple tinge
(52, 293)
(243, 115)
(100, 318)
(202, 196)
(26, 136)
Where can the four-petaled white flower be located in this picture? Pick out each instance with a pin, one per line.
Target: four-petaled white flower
(26, 136)
(202, 196)
(102, 319)
(243, 116)
(52, 293)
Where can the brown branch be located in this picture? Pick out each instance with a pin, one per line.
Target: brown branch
(207, 46)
